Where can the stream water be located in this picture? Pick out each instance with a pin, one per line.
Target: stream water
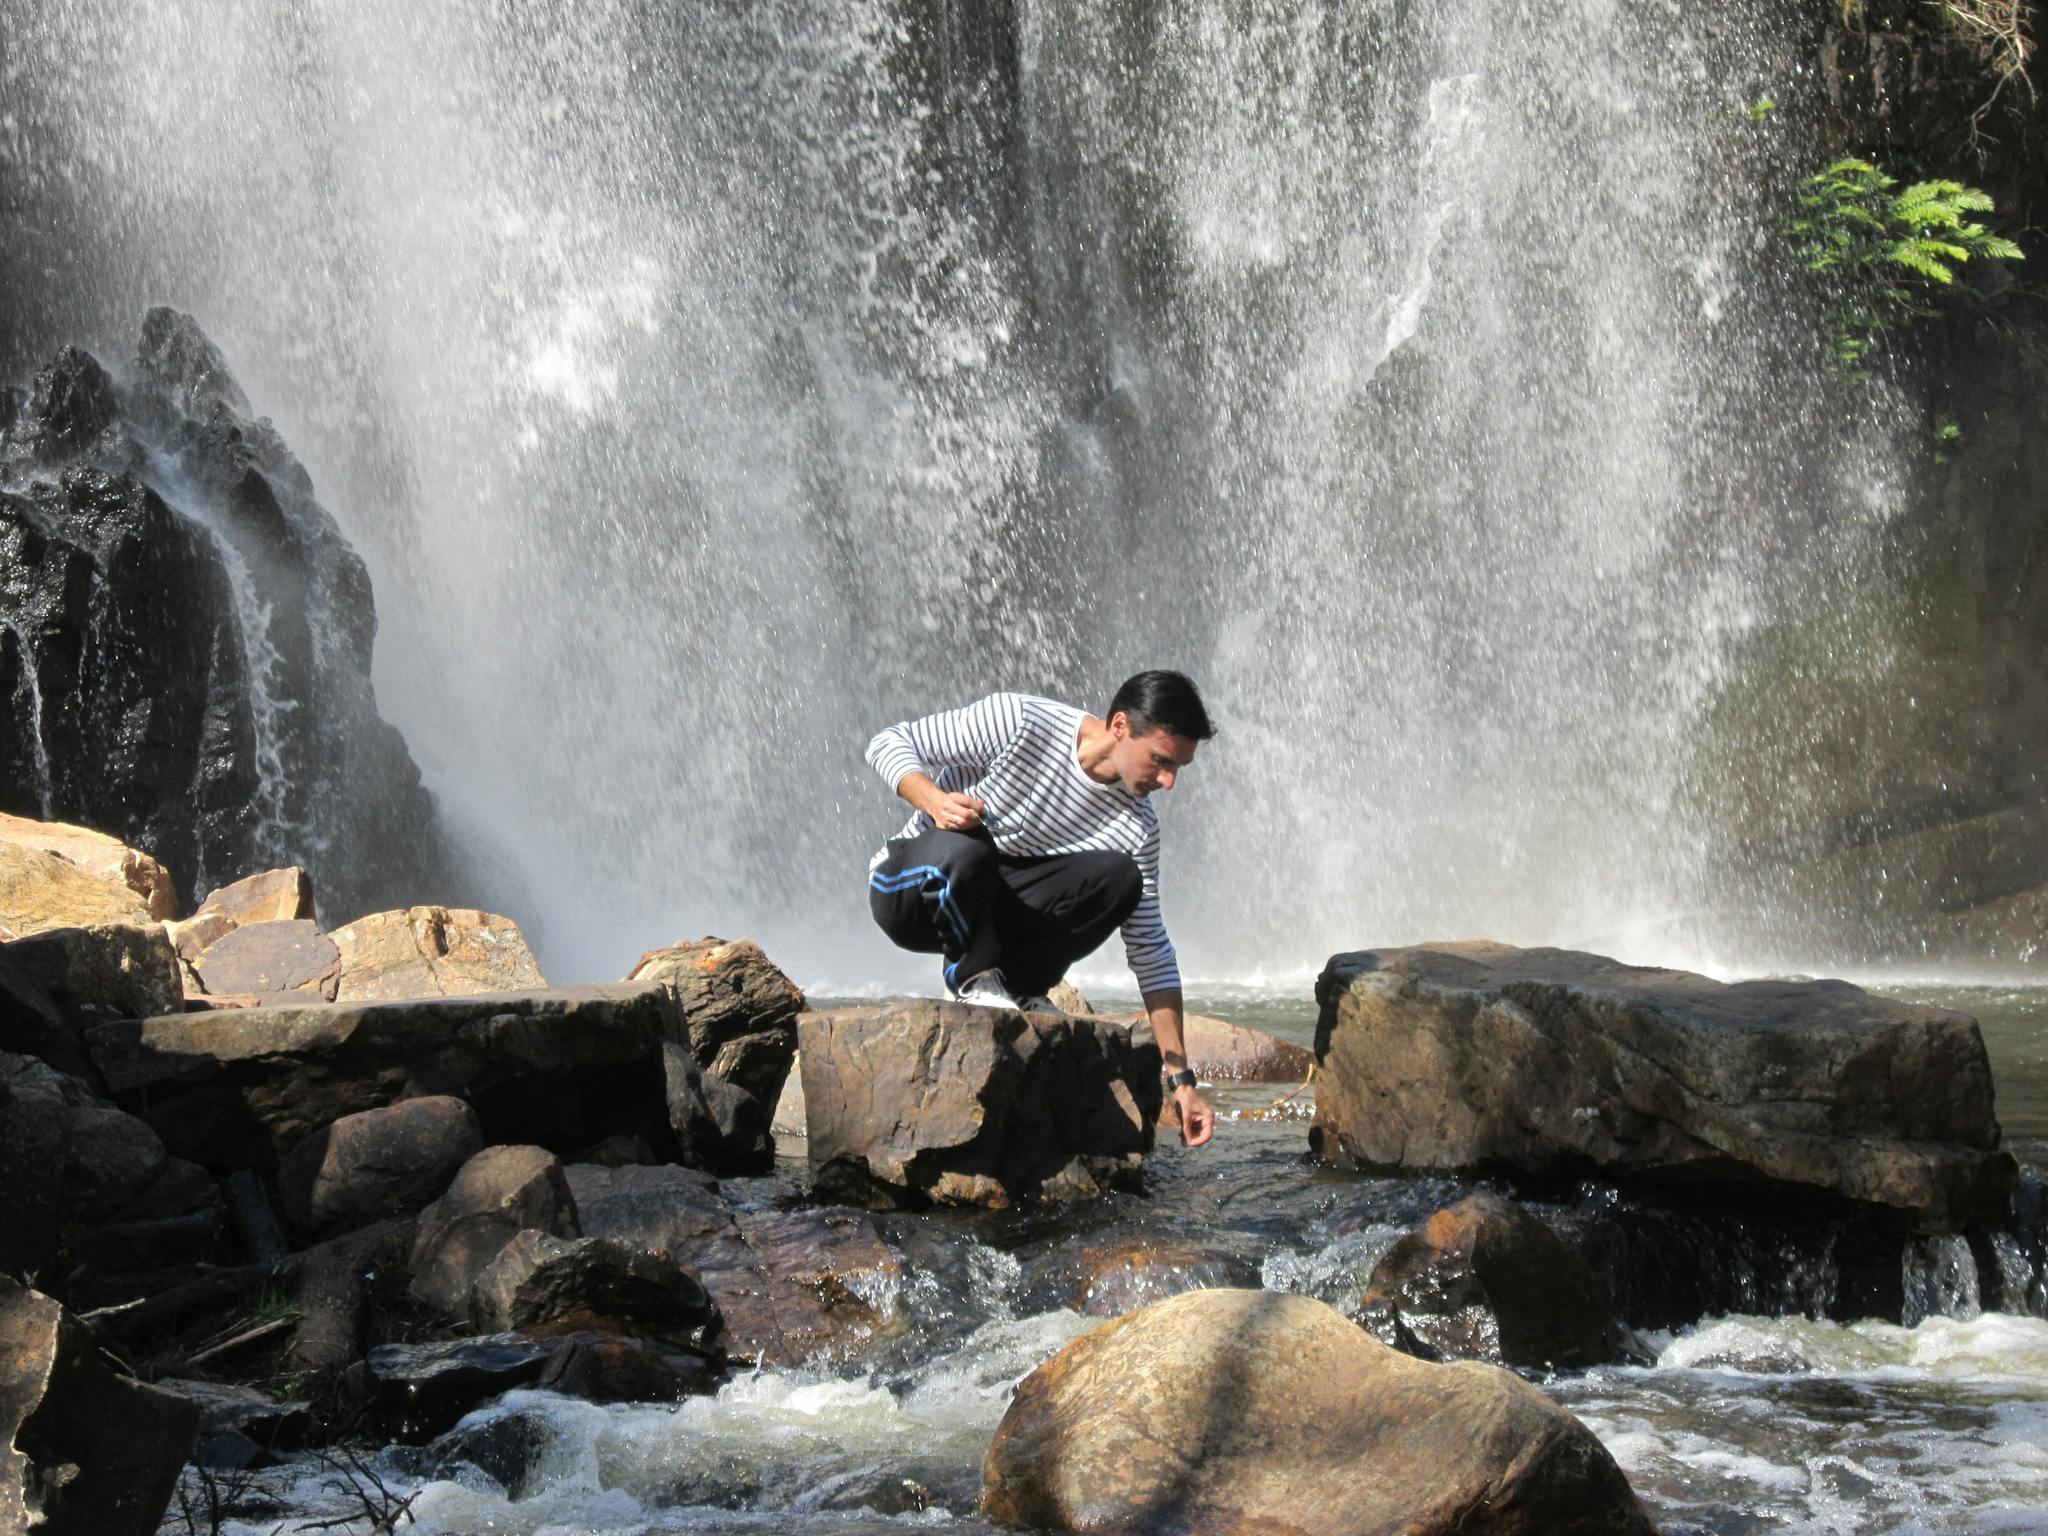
(1738, 1424)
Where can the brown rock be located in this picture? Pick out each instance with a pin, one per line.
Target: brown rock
(537, 1279)
(497, 1194)
(1301, 1422)
(379, 1163)
(271, 957)
(127, 968)
(788, 1119)
(240, 1087)
(275, 896)
(106, 859)
(1486, 1280)
(432, 952)
(718, 1125)
(620, 1368)
(1219, 1051)
(84, 1450)
(1464, 1057)
(41, 890)
(1068, 999)
(947, 1103)
(739, 1009)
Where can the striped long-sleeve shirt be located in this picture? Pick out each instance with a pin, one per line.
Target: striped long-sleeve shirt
(1018, 754)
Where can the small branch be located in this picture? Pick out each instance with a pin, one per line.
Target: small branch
(254, 1335)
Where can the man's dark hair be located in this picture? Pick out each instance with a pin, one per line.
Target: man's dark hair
(1163, 701)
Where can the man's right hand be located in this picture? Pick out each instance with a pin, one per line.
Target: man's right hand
(952, 812)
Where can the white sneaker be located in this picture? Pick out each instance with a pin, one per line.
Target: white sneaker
(986, 990)
(1038, 1002)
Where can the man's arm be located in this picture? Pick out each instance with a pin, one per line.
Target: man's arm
(1163, 1008)
(903, 754)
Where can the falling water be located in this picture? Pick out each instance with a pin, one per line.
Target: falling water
(708, 389)
(39, 749)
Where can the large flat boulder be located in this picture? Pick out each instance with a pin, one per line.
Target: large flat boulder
(564, 1066)
(1467, 1057)
(947, 1103)
(739, 1009)
(1248, 1413)
(40, 890)
(105, 858)
(84, 1450)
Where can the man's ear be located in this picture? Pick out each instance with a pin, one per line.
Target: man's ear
(1119, 725)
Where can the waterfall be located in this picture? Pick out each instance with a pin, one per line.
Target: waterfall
(706, 390)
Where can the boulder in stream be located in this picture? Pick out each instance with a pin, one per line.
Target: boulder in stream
(1486, 1280)
(1468, 1057)
(377, 1163)
(739, 1009)
(946, 1103)
(84, 1449)
(1243, 1413)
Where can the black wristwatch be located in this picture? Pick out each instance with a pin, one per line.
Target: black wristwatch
(1185, 1078)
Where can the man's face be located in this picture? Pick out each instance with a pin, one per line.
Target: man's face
(1148, 762)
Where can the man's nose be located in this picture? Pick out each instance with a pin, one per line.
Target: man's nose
(1166, 778)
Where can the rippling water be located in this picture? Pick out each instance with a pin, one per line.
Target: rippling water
(1738, 1425)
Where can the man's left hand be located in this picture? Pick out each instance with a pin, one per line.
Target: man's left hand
(1197, 1119)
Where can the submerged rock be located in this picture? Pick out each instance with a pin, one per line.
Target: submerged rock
(739, 1009)
(947, 1103)
(84, 1450)
(1474, 1056)
(1239, 1412)
(1486, 1280)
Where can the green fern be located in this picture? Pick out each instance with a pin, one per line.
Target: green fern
(1886, 253)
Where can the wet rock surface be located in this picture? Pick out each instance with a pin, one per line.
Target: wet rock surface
(947, 1103)
(1300, 1412)
(1487, 1280)
(718, 1126)
(1465, 1057)
(159, 537)
(496, 1195)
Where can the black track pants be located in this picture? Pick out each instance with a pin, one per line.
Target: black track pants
(952, 894)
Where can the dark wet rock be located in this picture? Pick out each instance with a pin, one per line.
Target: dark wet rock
(1111, 1278)
(128, 969)
(537, 1279)
(239, 1426)
(416, 1391)
(792, 1286)
(84, 1450)
(241, 1087)
(378, 1163)
(718, 1126)
(497, 1194)
(267, 958)
(1298, 1410)
(621, 1368)
(1486, 1280)
(947, 1103)
(71, 1160)
(509, 1447)
(32, 1023)
(1551, 1063)
(739, 1009)
(123, 661)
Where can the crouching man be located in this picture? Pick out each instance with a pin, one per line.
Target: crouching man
(1032, 838)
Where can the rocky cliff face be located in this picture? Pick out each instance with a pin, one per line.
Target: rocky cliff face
(185, 636)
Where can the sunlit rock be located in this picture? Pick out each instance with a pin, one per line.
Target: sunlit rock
(739, 1009)
(85, 1450)
(103, 857)
(432, 952)
(1236, 1412)
(274, 896)
(947, 1103)
(40, 890)
(1486, 1280)
(1470, 1056)
(271, 961)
